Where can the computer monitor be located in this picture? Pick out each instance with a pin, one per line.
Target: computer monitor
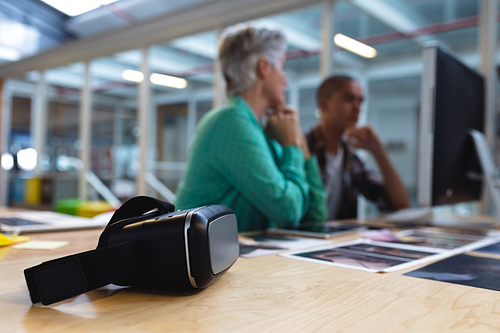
(452, 104)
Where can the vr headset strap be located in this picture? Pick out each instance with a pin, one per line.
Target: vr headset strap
(140, 205)
(132, 211)
(66, 277)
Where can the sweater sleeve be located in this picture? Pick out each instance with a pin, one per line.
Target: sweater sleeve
(278, 189)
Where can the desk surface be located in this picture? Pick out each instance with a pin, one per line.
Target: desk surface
(269, 293)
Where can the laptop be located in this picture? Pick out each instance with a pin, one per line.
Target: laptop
(44, 221)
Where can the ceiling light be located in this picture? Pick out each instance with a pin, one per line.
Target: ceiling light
(27, 159)
(167, 80)
(131, 75)
(9, 53)
(74, 7)
(354, 46)
(7, 161)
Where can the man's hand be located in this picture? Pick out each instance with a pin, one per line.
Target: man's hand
(365, 138)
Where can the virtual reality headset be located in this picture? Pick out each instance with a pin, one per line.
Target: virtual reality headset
(146, 244)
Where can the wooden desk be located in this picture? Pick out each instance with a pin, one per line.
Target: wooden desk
(264, 294)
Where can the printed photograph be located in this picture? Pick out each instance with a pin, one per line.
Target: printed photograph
(437, 239)
(463, 269)
(376, 250)
(370, 256)
(264, 244)
(355, 260)
(492, 249)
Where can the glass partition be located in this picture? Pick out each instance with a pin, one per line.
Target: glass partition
(63, 98)
(15, 161)
(181, 92)
(59, 160)
(114, 120)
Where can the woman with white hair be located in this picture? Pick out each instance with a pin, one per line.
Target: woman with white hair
(266, 176)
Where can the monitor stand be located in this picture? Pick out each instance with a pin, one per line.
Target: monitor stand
(489, 169)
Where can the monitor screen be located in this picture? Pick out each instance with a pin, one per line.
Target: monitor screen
(452, 104)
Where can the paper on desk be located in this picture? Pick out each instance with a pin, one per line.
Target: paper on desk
(40, 245)
(463, 269)
(439, 239)
(4, 240)
(375, 256)
(369, 255)
(12, 239)
(382, 235)
(263, 244)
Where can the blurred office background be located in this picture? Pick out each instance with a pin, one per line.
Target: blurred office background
(83, 119)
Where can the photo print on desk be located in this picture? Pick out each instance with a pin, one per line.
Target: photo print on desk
(463, 269)
(369, 256)
(435, 238)
(431, 238)
(264, 244)
(490, 249)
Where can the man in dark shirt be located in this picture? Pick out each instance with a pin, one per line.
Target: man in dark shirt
(332, 141)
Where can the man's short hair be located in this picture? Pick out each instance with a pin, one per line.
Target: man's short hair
(332, 84)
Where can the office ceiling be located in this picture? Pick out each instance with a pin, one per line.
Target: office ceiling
(396, 28)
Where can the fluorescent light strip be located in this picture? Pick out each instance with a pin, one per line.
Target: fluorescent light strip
(354, 46)
(77, 7)
(131, 75)
(167, 80)
(9, 53)
(155, 78)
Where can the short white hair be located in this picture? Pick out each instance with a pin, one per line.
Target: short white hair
(241, 47)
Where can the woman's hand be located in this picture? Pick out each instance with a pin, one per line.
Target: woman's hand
(283, 125)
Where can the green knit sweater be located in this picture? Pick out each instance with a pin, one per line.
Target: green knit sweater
(234, 163)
